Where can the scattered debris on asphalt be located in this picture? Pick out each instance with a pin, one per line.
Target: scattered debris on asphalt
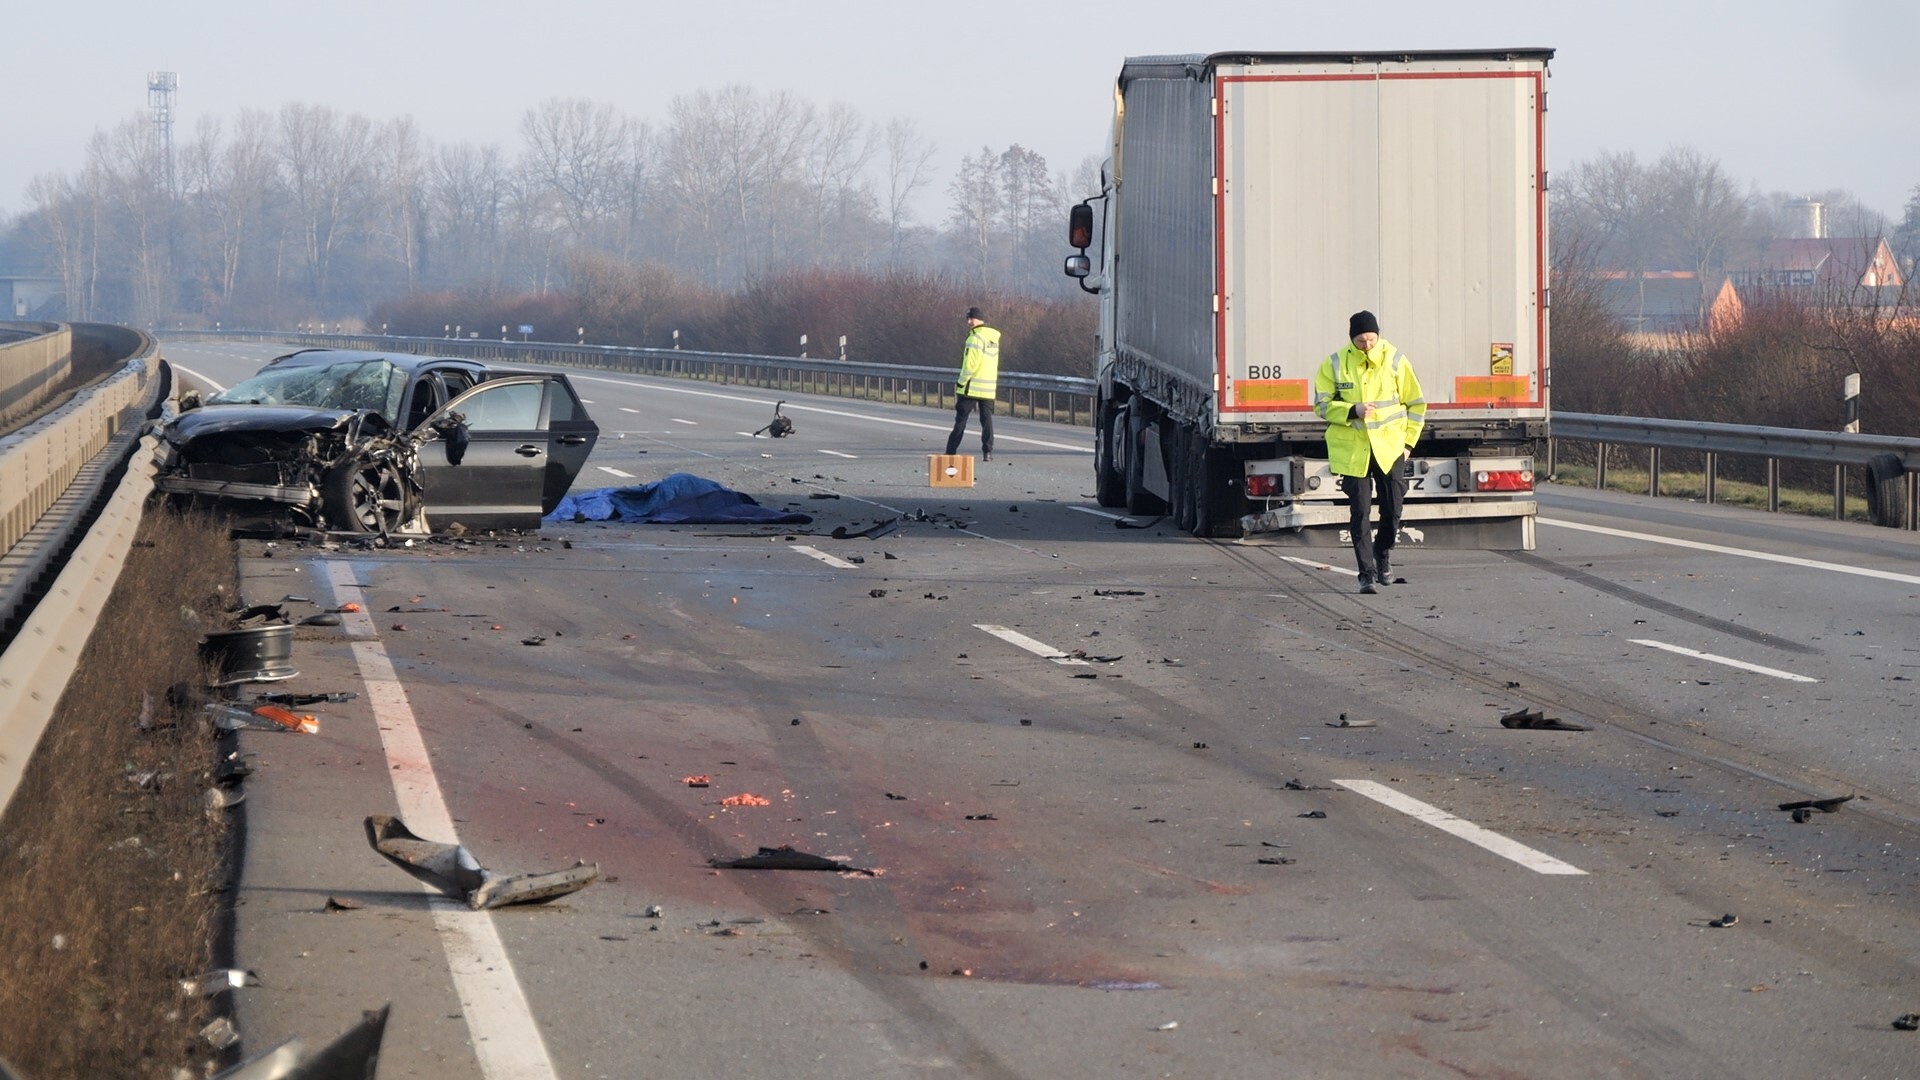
(1119, 592)
(1907, 1022)
(981, 817)
(876, 593)
(1344, 722)
(1084, 655)
(454, 871)
(786, 857)
(779, 427)
(877, 529)
(697, 780)
(745, 798)
(1535, 720)
(1296, 785)
(220, 1033)
(354, 1054)
(263, 717)
(1723, 921)
(217, 980)
(298, 700)
(342, 903)
(1315, 814)
(1825, 806)
(1276, 860)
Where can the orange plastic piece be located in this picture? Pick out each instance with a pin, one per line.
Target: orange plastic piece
(697, 780)
(349, 606)
(745, 799)
(288, 719)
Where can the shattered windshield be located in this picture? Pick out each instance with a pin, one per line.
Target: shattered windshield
(360, 384)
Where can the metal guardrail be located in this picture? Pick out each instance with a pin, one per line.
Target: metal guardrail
(1056, 398)
(67, 476)
(1774, 444)
(1069, 399)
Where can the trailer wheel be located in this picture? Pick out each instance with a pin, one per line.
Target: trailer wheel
(1109, 472)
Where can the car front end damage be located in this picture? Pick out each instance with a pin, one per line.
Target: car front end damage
(276, 467)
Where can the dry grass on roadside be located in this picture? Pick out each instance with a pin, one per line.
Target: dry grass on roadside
(108, 892)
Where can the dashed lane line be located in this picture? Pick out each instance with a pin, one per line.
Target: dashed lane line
(837, 453)
(1538, 862)
(1727, 660)
(614, 471)
(1020, 640)
(831, 560)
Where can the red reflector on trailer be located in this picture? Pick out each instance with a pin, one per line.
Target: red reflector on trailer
(1263, 485)
(1503, 480)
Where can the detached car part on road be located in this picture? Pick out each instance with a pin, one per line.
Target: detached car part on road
(312, 441)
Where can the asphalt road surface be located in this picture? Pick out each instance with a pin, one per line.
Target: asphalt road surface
(1094, 771)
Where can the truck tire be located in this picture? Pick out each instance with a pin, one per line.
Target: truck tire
(1886, 490)
(365, 496)
(1109, 470)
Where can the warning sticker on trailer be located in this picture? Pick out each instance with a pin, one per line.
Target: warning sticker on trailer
(1502, 360)
(1284, 393)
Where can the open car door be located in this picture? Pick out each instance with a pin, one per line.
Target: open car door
(528, 439)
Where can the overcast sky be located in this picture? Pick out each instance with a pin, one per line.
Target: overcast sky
(1797, 97)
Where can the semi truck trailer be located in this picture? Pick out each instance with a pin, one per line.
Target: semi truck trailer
(1250, 202)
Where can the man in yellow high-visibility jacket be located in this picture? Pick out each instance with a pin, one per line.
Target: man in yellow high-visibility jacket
(979, 382)
(1371, 400)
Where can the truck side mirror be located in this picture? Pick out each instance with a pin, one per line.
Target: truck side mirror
(1078, 266)
(1080, 229)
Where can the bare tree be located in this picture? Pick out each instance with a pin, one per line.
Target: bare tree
(229, 183)
(577, 151)
(137, 180)
(467, 190)
(976, 211)
(327, 163)
(835, 164)
(401, 200)
(909, 168)
(1612, 193)
(1701, 211)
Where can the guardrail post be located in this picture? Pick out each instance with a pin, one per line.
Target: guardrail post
(1712, 462)
(1840, 493)
(1653, 471)
(1913, 511)
(1773, 484)
(1600, 466)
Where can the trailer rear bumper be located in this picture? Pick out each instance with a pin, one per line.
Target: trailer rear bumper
(1502, 525)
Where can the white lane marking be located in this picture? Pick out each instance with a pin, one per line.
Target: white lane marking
(837, 453)
(748, 434)
(614, 471)
(830, 560)
(1747, 553)
(623, 408)
(588, 401)
(1310, 562)
(1037, 648)
(1729, 661)
(500, 1024)
(689, 423)
(665, 389)
(1099, 513)
(197, 375)
(1539, 862)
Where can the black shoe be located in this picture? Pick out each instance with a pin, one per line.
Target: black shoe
(1366, 586)
(1383, 573)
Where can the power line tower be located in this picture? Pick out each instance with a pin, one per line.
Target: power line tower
(160, 89)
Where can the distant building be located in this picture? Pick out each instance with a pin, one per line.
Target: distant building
(1664, 302)
(1825, 264)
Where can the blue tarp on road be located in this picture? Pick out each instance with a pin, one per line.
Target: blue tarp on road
(677, 499)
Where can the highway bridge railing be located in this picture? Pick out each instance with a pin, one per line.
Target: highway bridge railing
(1890, 464)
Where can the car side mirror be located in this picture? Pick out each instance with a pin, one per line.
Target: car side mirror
(452, 430)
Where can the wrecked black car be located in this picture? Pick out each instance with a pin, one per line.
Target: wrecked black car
(369, 442)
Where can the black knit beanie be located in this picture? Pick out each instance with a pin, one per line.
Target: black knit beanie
(1362, 322)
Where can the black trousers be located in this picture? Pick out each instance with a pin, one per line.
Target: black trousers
(1391, 487)
(963, 405)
